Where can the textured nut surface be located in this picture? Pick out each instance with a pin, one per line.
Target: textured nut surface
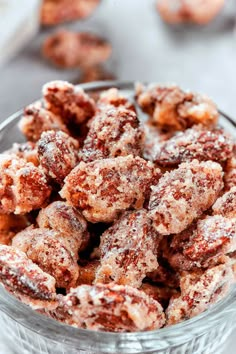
(197, 11)
(128, 250)
(104, 188)
(24, 278)
(110, 307)
(113, 132)
(60, 11)
(183, 194)
(70, 103)
(87, 272)
(37, 119)
(226, 205)
(69, 49)
(195, 143)
(230, 173)
(23, 186)
(58, 154)
(67, 220)
(199, 290)
(52, 252)
(113, 97)
(172, 108)
(26, 151)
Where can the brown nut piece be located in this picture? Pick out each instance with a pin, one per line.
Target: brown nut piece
(60, 11)
(72, 104)
(113, 132)
(67, 220)
(230, 173)
(58, 154)
(113, 97)
(195, 143)
(26, 151)
(110, 307)
(68, 49)
(87, 272)
(10, 224)
(183, 195)
(102, 189)
(52, 252)
(37, 120)
(199, 290)
(25, 279)
(23, 186)
(226, 205)
(197, 11)
(128, 250)
(171, 108)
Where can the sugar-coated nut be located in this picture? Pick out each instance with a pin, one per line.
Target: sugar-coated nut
(52, 252)
(113, 97)
(23, 186)
(60, 11)
(87, 272)
(183, 195)
(113, 132)
(27, 151)
(10, 224)
(37, 119)
(171, 108)
(102, 189)
(226, 204)
(195, 143)
(128, 250)
(72, 104)
(197, 11)
(110, 307)
(24, 278)
(58, 154)
(65, 219)
(230, 173)
(162, 294)
(199, 290)
(67, 49)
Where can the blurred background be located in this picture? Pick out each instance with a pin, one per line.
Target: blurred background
(131, 40)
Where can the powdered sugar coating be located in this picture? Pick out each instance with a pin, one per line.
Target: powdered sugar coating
(195, 143)
(27, 151)
(226, 204)
(199, 290)
(37, 120)
(128, 250)
(183, 194)
(113, 97)
(113, 132)
(171, 108)
(70, 103)
(110, 307)
(104, 188)
(52, 252)
(23, 186)
(24, 278)
(58, 154)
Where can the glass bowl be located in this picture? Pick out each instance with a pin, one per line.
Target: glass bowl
(26, 331)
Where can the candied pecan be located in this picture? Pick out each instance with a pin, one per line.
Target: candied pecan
(104, 188)
(87, 272)
(199, 290)
(110, 307)
(10, 224)
(113, 97)
(60, 11)
(195, 143)
(162, 294)
(183, 195)
(96, 73)
(113, 132)
(23, 186)
(52, 252)
(226, 204)
(65, 219)
(37, 119)
(171, 108)
(68, 49)
(214, 235)
(197, 11)
(58, 154)
(128, 250)
(24, 278)
(230, 173)
(27, 151)
(71, 103)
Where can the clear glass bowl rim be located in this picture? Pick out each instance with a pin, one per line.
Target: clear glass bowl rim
(107, 341)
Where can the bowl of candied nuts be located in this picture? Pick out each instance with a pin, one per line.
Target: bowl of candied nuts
(118, 222)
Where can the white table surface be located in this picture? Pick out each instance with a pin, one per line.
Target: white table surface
(144, 48)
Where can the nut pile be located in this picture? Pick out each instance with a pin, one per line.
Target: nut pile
(116, 223)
